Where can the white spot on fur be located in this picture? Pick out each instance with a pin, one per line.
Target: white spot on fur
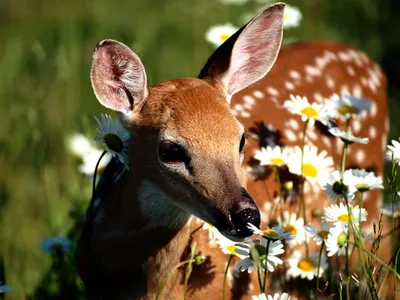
(372, 132)
(290, 135)
(238, 107)
(318, 97)
(258, 94)
(244, 114)
(344, 90)
(330, 83)
(289, 86)
(374, 109)
(312, 71)
(343, 56)
(312, 135)
(360, 156)
(272, 91)
(248, 99)
(248, 106)
(326, 141)
(357, 90)
(235, 113)
(356, 125)
(309, 79)
(350, 70)
(294, 74)
(294, 124)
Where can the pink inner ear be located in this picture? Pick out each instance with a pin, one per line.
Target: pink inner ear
(118, 77)
(256, 49)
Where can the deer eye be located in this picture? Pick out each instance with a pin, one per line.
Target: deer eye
(171, 153)
(242, 142)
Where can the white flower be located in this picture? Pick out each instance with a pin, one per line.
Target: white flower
(229, 247)
(213, 232)
(337, 240)
(272, 156)
(392, 210)
(255, 255)
(300, 106)
(347, 137)
(292, 225)
(276, 296)
(305, 267)
(339, 214)
(394, 152)
(362, 180)
(79, 145)
(334, 187)
(274, 233)
(233, 2)
(4, 288)
(90, 160)
(114, 138)
(315, 166)
(319, 234)
(291, 16)
(348, 106)
(56, 244)
(218, 34)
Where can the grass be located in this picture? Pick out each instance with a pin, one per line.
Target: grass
(45, 94)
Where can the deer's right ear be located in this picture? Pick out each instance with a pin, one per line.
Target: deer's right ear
(118, 76)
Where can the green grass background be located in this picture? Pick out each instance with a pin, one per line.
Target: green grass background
(45, 94)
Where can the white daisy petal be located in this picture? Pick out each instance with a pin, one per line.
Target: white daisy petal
(218, 34)
(362, 180)
(347, 137)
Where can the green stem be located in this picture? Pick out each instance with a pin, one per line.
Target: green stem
(164, 281)
(395, 281)
(189, 270)
(259, 279)
(319, 265)
(226, 275)
(302, 201)
(266, 265)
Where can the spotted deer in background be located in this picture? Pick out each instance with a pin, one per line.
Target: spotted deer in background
(190, 164)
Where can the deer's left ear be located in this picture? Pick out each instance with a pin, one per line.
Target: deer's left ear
(248, 55)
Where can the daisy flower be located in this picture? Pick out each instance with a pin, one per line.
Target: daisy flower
(90, 160)
(347, 137)
(292, 225)
(319, 234)
(291, 16)
(334, 187)
(255, 255)
(79, 145)
(56, 244)
(394, 152)
(305, 267)
(272, 156)
(300, 106)
(276, 296)
(230, 247)
(114, 138)
(274, 233)
(4, 288)
(315, 166)
(213, 232)
(218, 34)
(392, 211)
(339, 214)
(362, 180)
(349, 106)
(337, 240)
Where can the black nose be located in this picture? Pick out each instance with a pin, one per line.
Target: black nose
(242, 218)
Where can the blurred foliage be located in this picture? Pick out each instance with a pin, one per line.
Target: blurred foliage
(45, 94)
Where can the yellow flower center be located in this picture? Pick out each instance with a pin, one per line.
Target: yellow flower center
(310, 112)
(309, 170)
(306, 264)
(113, 142)
(362, 186)
(348, 109)
(345, 218)
(323, 234)
(277, 161)
(224, 36)
(231, 249)
(290, 228)
(270, 233)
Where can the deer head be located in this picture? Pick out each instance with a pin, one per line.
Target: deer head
(186, 146)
